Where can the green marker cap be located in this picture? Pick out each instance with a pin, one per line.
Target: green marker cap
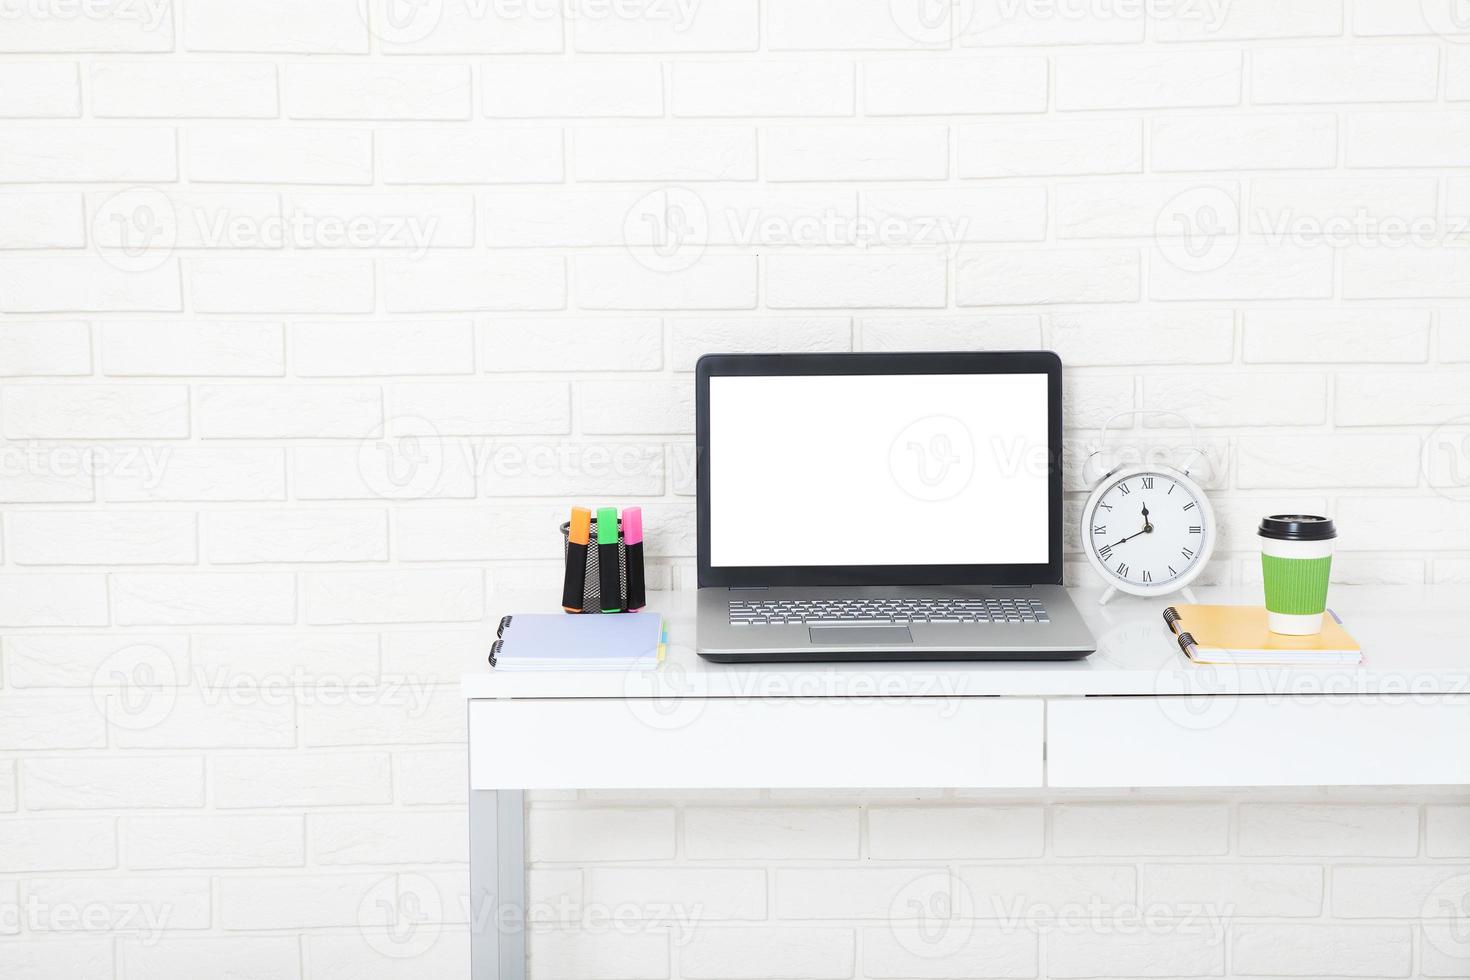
(607, 525)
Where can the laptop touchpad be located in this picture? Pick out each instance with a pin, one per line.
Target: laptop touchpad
(853, 636)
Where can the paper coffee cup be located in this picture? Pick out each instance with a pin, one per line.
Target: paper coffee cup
(1296, 564)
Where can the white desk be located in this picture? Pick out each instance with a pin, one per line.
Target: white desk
(1135, 713)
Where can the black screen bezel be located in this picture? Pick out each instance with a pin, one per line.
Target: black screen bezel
(957, 362)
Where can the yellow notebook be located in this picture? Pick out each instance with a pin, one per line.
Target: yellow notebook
(1241, 635)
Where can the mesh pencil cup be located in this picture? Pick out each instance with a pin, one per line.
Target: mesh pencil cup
(591, 590)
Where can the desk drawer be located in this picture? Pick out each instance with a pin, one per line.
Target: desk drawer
(1258, 741)
(897, 743)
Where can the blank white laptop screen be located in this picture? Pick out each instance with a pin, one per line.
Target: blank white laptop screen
(918, 469)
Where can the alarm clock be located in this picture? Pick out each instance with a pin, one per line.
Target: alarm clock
(1148, 528)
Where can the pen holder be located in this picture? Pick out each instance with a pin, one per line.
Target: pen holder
(591, 590)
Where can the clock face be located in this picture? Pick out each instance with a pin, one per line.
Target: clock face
(1148, 531)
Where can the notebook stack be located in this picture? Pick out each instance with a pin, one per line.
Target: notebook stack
(629, 641)
(1242, 635)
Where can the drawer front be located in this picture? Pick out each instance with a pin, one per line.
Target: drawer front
(1258, 741)
(755, 743)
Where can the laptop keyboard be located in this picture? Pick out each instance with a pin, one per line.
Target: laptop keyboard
(873, 612)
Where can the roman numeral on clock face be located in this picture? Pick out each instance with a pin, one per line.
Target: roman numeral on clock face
(1195, 529)
(1187, 553)
(1123, 568)
(1106, 552)
(1100, 530)
(1148, 576)
(1123, 489)
(1189, 506)
(1148, 483)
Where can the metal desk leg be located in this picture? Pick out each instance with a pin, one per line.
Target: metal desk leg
(498, 884)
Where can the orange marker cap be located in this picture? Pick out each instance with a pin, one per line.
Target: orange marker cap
(581, 529)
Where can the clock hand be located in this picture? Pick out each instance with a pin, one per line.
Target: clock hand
(1130, 537)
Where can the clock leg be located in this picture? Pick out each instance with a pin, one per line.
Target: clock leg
(1188, 594)
(1108, 595)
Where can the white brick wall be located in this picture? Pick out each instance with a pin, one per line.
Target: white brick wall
(313, 319)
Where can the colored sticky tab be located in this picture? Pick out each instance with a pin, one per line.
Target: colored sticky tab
(581, 529)
(632, 525)
(607, 525)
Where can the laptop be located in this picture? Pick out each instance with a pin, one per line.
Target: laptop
(899, 507)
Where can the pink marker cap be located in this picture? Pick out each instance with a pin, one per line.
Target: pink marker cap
(632, 525)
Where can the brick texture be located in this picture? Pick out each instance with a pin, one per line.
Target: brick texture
(314, 315)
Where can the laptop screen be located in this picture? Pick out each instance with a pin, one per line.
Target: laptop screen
(873, 469)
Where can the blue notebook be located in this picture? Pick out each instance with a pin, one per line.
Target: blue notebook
(558, 641)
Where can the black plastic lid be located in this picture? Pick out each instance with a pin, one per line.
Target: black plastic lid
(1298, 527)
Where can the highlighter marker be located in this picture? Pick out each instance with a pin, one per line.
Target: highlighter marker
(609, 581)
(633, 538)
(578, 535)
